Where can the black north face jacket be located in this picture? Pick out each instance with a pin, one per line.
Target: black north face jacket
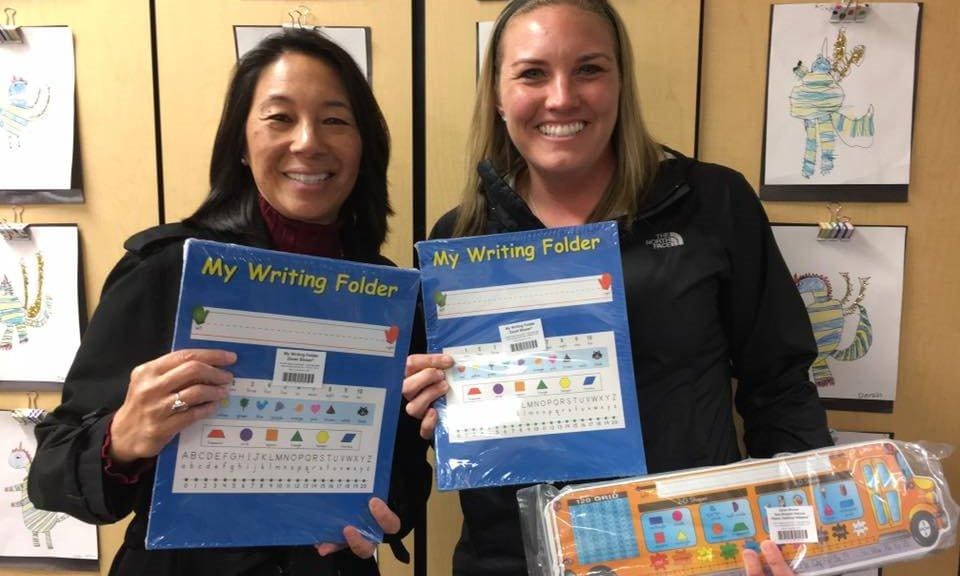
(709, 299)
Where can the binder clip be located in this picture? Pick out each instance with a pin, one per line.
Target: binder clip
(16, 230)
(32, 414)
(10, 33)
(838, 228)
(849, 11)
(298, 17)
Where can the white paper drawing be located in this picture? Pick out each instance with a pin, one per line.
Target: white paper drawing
(853, 290)
(840, 97)
(484, 30)
(37, 110)
(354, 39)
(26, 531)
(39, 305)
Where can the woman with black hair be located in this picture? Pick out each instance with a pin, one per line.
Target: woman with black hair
(299, 164)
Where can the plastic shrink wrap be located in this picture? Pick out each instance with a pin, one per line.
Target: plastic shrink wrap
(831, 510)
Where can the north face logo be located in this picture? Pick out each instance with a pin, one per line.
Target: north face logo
(665, 240)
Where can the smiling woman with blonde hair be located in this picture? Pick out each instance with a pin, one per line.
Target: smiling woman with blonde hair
(558, 140)
(636, 152)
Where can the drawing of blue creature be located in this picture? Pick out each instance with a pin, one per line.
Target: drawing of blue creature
(23, 104)
(818, 101)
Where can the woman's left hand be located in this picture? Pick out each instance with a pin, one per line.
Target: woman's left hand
(360, 546)
(771, 553)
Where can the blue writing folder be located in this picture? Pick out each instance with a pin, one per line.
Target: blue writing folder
(543, 387)
(305, 438)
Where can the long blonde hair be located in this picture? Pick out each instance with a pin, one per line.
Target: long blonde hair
(636, 152)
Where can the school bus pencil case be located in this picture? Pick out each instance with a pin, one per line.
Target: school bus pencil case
(831, 510)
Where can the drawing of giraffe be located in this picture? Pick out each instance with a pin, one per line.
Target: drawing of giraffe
(36, 521)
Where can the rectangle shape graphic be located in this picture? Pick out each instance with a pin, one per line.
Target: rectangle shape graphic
(525, 296)
(246, 327)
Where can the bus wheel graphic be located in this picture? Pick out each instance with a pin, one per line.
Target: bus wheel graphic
(924, 528)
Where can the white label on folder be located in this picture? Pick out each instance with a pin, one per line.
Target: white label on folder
(299, 368)
(523, 336)
(792, 524)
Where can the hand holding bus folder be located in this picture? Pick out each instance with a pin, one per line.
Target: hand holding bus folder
(831, 510)
(305, 437)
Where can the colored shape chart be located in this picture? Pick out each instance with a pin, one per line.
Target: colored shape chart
(727, 520)
(279, 437)
(570, 386)
(668, 529)
(283, 443)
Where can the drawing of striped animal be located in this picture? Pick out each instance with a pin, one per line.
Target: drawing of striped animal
(36, 521)
(17, 316)
(818, 101)
(23, 105)
(827, 318)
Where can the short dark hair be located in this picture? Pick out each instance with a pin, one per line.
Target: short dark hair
(231, 205)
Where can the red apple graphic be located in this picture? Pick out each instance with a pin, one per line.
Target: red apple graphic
(391, 334)
(605, 280)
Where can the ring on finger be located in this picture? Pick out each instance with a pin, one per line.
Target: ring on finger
(178, 404)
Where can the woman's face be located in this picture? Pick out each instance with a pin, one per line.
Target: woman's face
(303, 146)
(559, 89)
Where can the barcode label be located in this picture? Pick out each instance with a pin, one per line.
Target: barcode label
(793, 535)
(792, 524)
(299, 367)
(298, 378)
(523, 336)
(523, 346)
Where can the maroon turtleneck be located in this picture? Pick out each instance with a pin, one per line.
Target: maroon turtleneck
(299, 237)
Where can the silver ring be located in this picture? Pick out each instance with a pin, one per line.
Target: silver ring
(178, 404)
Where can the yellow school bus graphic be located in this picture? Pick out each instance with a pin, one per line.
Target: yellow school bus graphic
(867, 507)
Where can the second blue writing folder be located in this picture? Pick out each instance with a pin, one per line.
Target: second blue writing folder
(543, 387)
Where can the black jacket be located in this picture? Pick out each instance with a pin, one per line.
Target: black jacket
(132, 325)
(709, 299)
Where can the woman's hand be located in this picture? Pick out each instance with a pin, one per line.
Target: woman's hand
(388, 521)
(771, 553)
(151, 414)
(424, 383)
